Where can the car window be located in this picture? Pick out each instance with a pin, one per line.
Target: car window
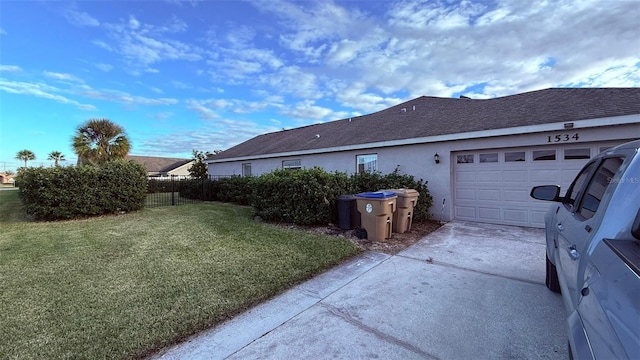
(599, 184)
(576, 186)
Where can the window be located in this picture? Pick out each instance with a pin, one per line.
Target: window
(464, 159)
(542, 155)
(292, 164)
(246, 169)
(489, 158)
(514, 156)
(576, 186)
(594, 193)
(367, 163)
(577, 154)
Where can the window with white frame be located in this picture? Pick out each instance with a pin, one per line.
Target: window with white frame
(292, 164)
(246, 169)
(366, 163)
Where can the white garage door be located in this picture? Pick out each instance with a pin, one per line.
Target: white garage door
(493, 185)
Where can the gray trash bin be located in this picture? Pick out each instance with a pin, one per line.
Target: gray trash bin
(348, 215)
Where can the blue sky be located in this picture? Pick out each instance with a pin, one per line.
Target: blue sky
(207, 75)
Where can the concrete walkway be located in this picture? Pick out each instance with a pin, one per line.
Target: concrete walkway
(466, 291)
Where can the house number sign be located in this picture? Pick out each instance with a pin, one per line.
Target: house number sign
(563, 137)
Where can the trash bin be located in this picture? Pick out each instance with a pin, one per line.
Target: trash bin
(348, 215)
(403, 217)
(376, 210)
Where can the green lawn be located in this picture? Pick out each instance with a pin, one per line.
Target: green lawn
(124, 286)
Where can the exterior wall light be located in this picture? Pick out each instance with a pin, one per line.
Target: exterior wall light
(436, 158)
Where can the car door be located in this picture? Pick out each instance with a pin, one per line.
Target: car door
(576, 230)
(610, 288)
(565, 227)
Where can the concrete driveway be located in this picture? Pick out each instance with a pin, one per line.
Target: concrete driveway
(466, 291)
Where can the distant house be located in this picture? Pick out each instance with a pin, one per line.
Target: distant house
(480, 156)
(163, 167)
(6, 178)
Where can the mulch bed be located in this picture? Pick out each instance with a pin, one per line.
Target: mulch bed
(397, 243)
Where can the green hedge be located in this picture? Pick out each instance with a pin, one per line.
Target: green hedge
(302, 197)
(80, 191)
(236, 189)
(309, 196)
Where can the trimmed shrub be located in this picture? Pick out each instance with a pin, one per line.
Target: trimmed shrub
(160, 185)
(236, 189)
(302, 197)
(73, 192)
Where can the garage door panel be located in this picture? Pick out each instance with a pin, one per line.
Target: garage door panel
(510, 176)
(515, 215)
(465, 194)
(488, 176)
(465, 177)
(486, 213)
(489, 194)
(465, 212)
(515, 195)
(545, 176)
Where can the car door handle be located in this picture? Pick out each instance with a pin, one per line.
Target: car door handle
(573, 252)
(560, 227)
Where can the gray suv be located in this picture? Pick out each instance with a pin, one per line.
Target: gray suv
(593, 254)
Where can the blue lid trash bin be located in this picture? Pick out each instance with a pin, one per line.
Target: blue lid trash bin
(376, 210)
(348, 215)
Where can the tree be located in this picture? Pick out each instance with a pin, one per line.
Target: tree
(25, 155)
(56, 156)
(98, 141)
(199, 169)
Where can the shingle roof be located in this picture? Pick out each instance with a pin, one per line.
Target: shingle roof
(442, 116)
(158, 165)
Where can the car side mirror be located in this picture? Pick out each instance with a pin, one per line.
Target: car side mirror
(546, 192)
(635, 227)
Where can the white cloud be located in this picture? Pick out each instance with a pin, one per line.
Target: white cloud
(104, 67)
(40, 90)
(133, 22)
(10, 68)
(162, 115)
(293, 80)
(102, 44)
(193, 3)
(79, 18)
(2, 32)
(200, 107)
(125, 98)
(307, 110)
(142, 45)
(62, 76)
(213, 136)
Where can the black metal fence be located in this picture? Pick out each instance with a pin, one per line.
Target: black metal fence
(177, 190)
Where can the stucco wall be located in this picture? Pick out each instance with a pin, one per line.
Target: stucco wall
(418, 159)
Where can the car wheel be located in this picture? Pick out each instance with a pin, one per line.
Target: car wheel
(552, 277)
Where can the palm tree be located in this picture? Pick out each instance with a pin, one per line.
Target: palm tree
(100, 140)
(56, 156)
(25, 155)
